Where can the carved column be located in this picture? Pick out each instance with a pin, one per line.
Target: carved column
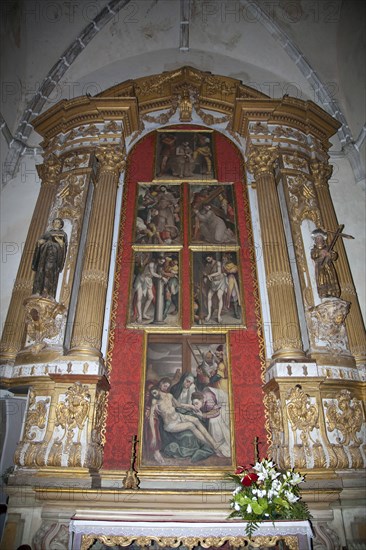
(88, 324)
(286, 335)
(354, 323)
(13, 333)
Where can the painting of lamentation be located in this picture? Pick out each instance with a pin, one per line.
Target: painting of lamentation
(185, 155)
(158, 215)
(186, 417)
(217, 297)
(212, 214)
(154, 299)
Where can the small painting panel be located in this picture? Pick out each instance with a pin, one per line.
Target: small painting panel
(185, 155)
(212, 214)
(217, 296)
(155, 296)
(186, 417)
(158, 215)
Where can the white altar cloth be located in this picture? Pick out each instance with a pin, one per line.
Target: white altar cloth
(162, 528)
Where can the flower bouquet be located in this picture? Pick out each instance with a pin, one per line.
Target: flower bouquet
(265, 493)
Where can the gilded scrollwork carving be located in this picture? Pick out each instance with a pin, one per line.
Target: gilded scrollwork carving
(97, 439)
(303, 416)
(273, 406)
(76, 161)
(303, 201)
(290, 541)
(71, 197)
(36, 415)
(163, 118)
(295, 162)
(345, 415)
(72, 414)
(284, 131)
(261, 160)
(43, 319)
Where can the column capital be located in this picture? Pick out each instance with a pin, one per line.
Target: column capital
(111, 159)
(49, 170)
(261, 159)
(321, 171)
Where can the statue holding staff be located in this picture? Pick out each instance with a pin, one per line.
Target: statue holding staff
(324, 257)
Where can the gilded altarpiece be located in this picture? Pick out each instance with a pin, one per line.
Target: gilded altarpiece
(160, 338)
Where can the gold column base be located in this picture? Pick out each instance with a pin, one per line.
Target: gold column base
(46, 355)
(80, 352)
(289, 354)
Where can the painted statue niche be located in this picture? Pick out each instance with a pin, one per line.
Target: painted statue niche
(216, 287)
(212, 214)
(185, 155)
(155, 293)
(186, 415)
(158, 215)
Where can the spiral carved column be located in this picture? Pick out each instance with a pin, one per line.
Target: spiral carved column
(13, 333)
(354, 322)
(286, 334)
(88, 324)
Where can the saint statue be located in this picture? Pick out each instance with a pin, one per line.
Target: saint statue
(49, 259)
(325, 273)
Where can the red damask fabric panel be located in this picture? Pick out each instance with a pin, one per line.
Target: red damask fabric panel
(127, 345)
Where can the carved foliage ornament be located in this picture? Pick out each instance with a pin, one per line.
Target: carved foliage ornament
(111, 159)
(71, 197)
(346, 416)
(36, 416)
(50, 170)
(274, 412)
(321, 171)
(303, 416)
(261, 160)
(72, 414)
(190, 542)
(303, 199)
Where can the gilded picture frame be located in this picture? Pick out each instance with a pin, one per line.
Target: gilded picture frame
(216, 286)
(185, 155)
(186, 412)
(154, 296)
(212, 214)
(158, 215)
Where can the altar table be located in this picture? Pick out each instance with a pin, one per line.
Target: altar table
(294, 535)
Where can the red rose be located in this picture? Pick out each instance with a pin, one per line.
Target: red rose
(249, 479)
(240, 470)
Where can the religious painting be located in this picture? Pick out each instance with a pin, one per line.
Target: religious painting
(212, 214)
(155, 290)
(216, 288)
(185, 155)
(186, 417)
(158, 215)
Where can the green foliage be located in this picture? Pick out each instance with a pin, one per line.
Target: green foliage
(265, 493)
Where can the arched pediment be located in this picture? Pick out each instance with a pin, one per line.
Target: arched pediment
(208, 94)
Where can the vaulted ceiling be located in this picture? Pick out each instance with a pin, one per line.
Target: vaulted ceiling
(305, 48)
